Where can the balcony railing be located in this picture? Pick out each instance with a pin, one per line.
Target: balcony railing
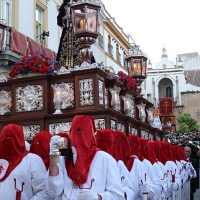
(110, 50)
(100, 41)
(15, 41)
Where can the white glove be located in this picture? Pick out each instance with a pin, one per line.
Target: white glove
(174, 186)
(87, 195)
(52, 144)
(145, 188)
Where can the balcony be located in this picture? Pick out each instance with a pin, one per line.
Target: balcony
(14, 44)
(110, 50)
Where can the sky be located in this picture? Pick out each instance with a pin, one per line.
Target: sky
(154, 24)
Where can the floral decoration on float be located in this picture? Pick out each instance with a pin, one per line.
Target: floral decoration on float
(33, 64)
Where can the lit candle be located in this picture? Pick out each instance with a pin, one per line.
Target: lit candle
(57, 96)
(127, 105)
(81, 24)
(115, 98)
(142, 112)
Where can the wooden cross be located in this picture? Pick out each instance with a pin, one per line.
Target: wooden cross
(166, 104)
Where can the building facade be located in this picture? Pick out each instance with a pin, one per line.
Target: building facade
(167, 80)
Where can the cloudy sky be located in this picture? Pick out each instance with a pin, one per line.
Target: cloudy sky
(174, 24)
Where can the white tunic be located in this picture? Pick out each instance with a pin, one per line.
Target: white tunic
(32, 172)
(103, 170)
(156, 175)
(127, 186)
(137, 174)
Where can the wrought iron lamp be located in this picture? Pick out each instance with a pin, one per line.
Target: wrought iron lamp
(137, 64)
(85, 20)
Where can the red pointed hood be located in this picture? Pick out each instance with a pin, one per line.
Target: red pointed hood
(160, 155)
(143, 149)
(12, 147)
(40, 146)
(84, 145)
(121, 146)
(134, 144)
(105, 141)
(151, 152)
(167, 149)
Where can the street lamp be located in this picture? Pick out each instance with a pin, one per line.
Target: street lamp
(137, 64)
(85, 22)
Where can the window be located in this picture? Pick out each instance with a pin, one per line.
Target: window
(110, 47)
(100, 41)
(168, 92)
(6, 11)
(110, 50)
(125, 63)
(38, 24)
(118, 55)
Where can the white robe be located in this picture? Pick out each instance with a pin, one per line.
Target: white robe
(156, 175)
(32, 172)
(127, 186)
(173, 169)
(137, 174)
(103, 170)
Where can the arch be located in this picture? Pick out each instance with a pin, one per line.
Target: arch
(165, 88)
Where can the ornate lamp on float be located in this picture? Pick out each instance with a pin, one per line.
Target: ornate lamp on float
(150, 117)
(142, 113)
(137, 65)
(128, 105)
(115, 100)
(85, 15)
(57, 98)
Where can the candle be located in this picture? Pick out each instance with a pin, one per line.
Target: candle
(127, 105)
(81, 24)
(173, 178)
(57, 95)
(115, 98)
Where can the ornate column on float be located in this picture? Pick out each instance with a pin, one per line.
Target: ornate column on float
(137, 65)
